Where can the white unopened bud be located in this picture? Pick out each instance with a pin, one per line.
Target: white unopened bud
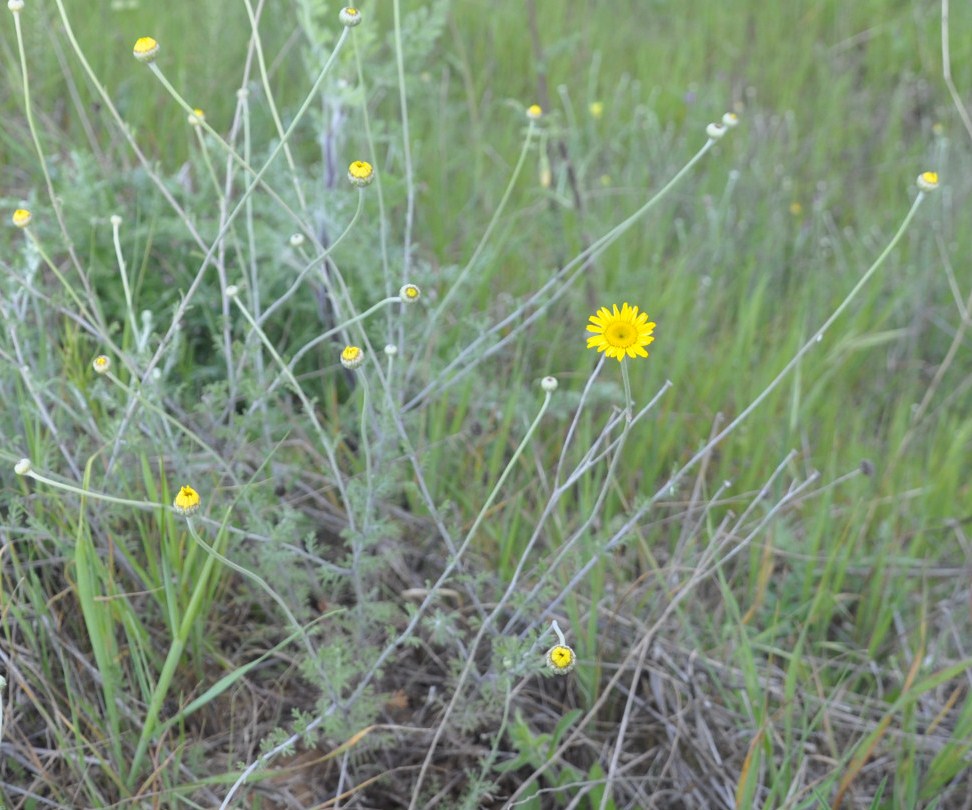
(409, 294)
(350, 17)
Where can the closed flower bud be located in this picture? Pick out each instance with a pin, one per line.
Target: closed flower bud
(22, 467)
(729, 120)
(361, 173)
(409, 294)
(15, 5)
(146, 49)
(101, 364)
(352, 357)
(560, 659)
(350, 17)
(928, 181)
(715, 131)
(21, 217)
(186, 501)
(549, 384)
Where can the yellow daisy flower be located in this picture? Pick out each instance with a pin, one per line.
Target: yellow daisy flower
(621, 333)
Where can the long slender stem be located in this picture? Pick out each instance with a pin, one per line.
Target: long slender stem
(406, 144)
(51, 193)
(123, 272)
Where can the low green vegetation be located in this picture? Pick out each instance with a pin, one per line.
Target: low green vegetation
(316, 494)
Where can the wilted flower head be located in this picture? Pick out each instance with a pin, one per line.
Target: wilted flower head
(23, 466)
(146, 49)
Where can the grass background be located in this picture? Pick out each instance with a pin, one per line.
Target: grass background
(834, 645)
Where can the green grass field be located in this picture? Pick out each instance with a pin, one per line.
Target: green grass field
(489, 566)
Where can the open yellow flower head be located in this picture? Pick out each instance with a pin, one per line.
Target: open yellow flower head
(146, 49)
(928, 181)
(350, 17)
(534, 111)
(21, 217)
(196, 117)
(187, 501)
(409, 294)
(352, 357)
(361, 173)
(560, 659)
(620, 333)
(101, 364)
(596, 109)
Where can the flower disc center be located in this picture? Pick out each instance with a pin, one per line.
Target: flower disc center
(621, 335)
